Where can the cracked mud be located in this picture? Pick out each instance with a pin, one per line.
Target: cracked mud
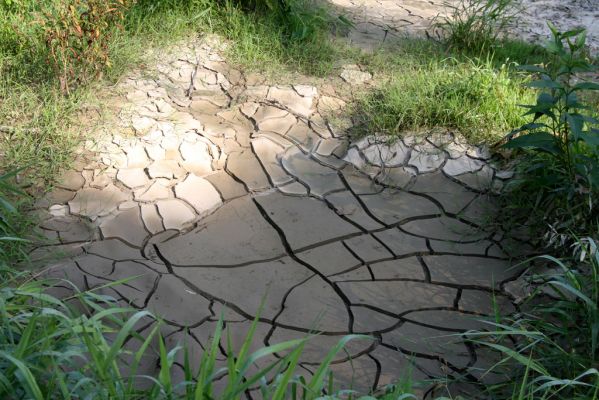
(227, 191)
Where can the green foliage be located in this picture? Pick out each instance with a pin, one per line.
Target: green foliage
(475, 25)
(551, 348)
(300, 19)
(50, 349)
(473, 97)
(516, 51)
(22, 50)
(63, 40)
(295, 40)
(562, 175)
(78, 40)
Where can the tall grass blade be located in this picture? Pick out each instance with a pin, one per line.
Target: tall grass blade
(29, 382)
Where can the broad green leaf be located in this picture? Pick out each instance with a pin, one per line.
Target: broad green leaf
(581, 39)
(553, 47)
(586, 86)
(590, 139)
(590, 120)
(544, 84)
(545, 98)
(582, 66)
(539, 140)
(553, 28)
(572, 33)
(572, 100)
(576, 124)
(531, 68)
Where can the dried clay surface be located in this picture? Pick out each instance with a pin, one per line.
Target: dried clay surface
(214, 190)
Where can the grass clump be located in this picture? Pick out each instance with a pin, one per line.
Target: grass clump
(51, 350)
(550, 348)
(36, 129)
(466, 81)
(473, 97)
(475, 25)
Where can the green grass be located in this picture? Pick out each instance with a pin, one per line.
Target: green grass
(39, 135)
(515, 51)
(36, 118)
(468, 82)
(257, 45)
(469, 95)
(14, 225)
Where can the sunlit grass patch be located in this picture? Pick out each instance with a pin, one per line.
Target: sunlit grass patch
(473, 97)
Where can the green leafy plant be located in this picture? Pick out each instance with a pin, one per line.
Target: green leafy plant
(301, 19)
(562, 173)
(562, 125)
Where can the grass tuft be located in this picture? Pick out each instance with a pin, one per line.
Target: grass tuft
(475, 25)
(551, 348)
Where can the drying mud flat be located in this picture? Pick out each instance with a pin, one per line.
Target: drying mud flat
(230, 189)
